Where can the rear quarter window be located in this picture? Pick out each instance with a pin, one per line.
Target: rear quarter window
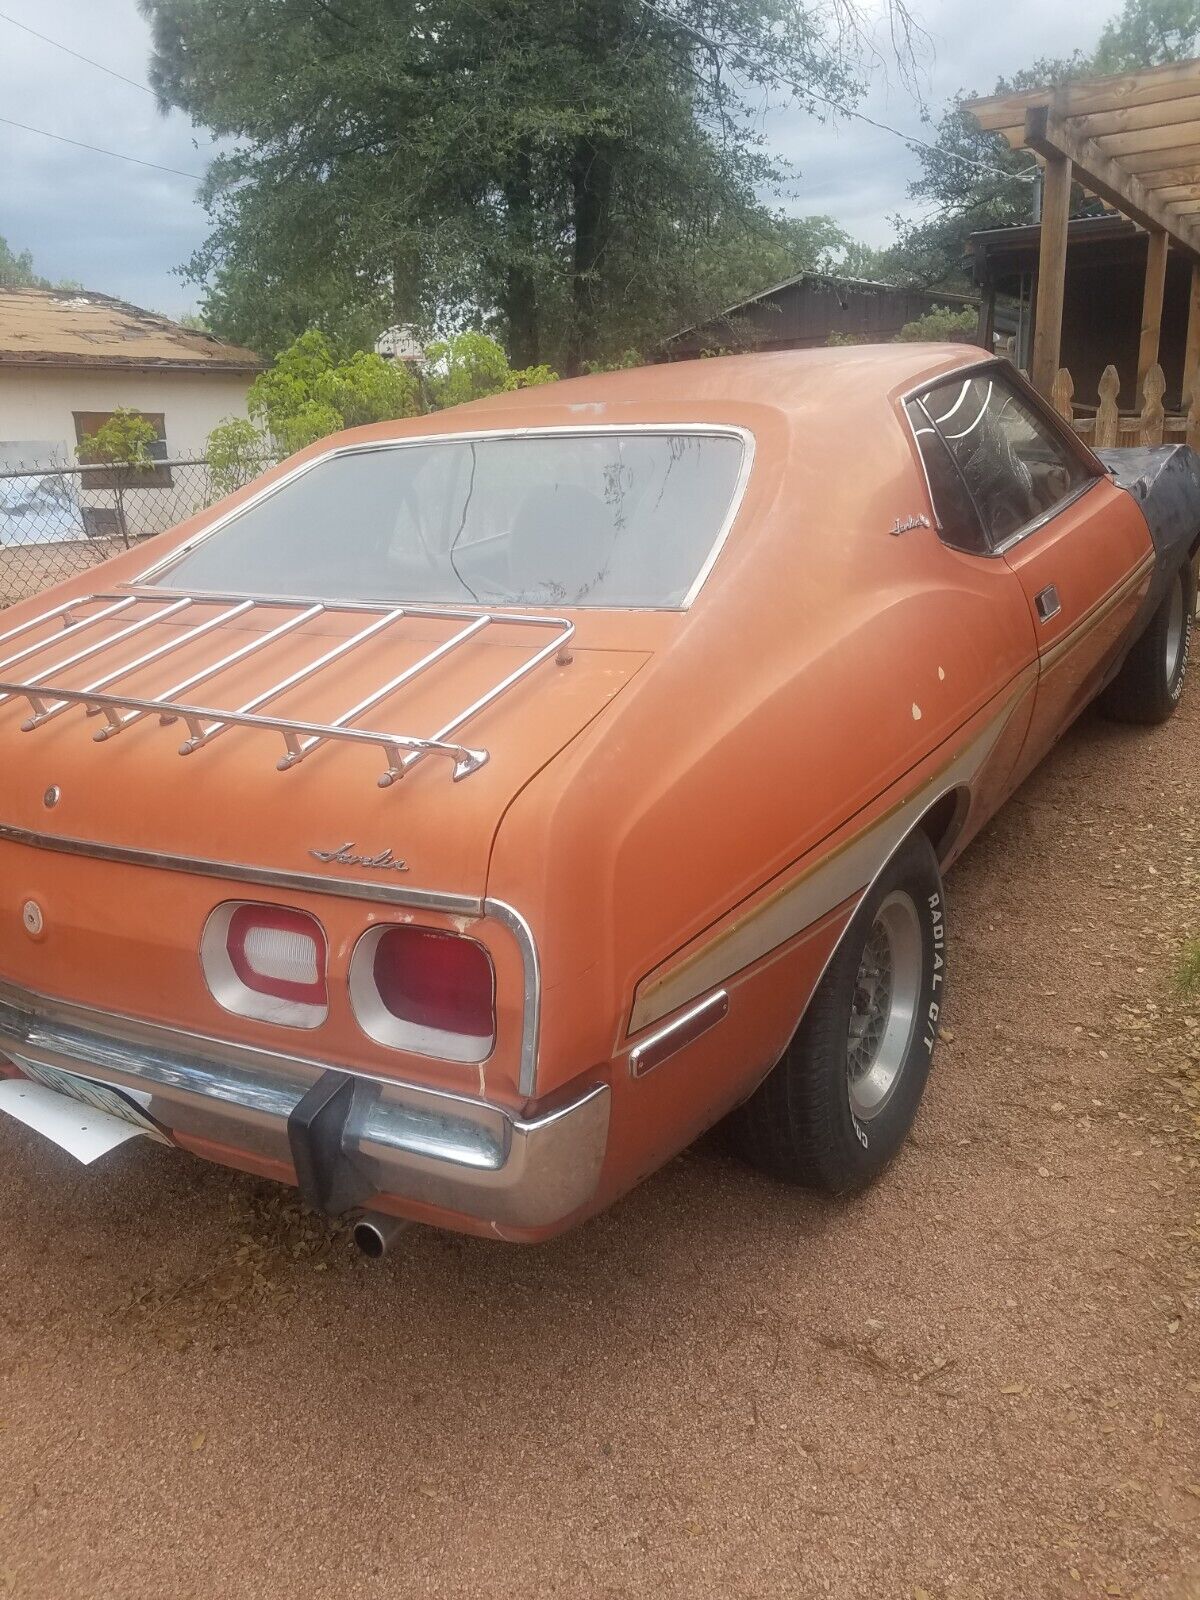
(1011, 463)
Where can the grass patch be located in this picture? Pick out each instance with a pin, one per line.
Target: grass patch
(1187, 968)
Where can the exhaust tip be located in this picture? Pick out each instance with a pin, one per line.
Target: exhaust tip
(375, 1234)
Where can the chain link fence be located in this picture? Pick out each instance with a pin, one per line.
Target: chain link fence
(57, 521)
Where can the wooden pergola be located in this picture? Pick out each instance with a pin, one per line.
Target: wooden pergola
(1133, 141)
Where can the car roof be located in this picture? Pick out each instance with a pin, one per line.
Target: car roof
(797, 382)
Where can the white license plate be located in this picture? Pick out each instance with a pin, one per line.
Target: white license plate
(124, 1104)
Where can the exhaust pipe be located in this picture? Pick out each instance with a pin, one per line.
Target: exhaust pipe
(375, 1233)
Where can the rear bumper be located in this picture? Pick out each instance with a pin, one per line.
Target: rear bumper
(351, 1139)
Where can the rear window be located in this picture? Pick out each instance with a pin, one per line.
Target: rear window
(606, 518)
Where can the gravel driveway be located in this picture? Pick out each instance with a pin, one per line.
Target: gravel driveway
(980, 1379)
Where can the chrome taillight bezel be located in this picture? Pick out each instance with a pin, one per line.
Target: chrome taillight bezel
(233, 994)
(384, 1027)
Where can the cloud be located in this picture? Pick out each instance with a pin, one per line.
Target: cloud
(117, 228)
(859, 174)
(122, 229)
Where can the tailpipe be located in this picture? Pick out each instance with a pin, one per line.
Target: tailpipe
(375, 1233)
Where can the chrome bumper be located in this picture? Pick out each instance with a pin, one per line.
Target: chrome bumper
(352, 1139)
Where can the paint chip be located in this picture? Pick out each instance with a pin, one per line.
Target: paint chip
(916, 712)
(942, 674)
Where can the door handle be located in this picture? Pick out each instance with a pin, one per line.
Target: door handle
(1048, 603)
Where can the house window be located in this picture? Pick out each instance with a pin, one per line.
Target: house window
(88, 422)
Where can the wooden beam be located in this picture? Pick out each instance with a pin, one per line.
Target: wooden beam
(1185, 208)
(1049, 135)
(1152, 304)
(1191, 350)
(1052, 272)
(1173, 193)
(1177, 136)
(1180, 78)
(1093, 124)
(1179, 155)
(1157, 181)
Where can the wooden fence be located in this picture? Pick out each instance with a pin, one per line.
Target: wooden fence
(1104, 426)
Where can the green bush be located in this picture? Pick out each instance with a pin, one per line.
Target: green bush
(308, 393)
(939, 325)
(236, 452)
(470, 366)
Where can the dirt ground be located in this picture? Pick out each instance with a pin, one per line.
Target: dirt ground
(980, 1379)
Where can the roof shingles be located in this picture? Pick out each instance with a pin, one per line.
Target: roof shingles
(77, 328)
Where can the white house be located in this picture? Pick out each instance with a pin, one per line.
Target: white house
(69, 358)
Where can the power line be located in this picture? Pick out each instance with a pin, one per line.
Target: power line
(839, 106)
(100, 67)
(100, 151)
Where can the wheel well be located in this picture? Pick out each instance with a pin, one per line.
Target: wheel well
(941, 823)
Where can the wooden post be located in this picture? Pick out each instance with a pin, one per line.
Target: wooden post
(1191, 353)
(1152, 304)
(1061, 395)
(1108, 418)
(1150, 423)
(1052, 272)
(985, 322)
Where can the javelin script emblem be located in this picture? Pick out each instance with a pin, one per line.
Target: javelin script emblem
(346, 856)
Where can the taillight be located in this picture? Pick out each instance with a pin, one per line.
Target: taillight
(421, 990)
(267, 962)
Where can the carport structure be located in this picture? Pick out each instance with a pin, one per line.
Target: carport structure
(1133, 141)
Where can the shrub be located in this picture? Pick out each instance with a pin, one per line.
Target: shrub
(236, 451)
(469, 366)
(308, 393)
(939, 325)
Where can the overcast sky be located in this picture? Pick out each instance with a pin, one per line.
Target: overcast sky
(123, 229)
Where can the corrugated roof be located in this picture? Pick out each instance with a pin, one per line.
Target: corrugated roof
(78, 328)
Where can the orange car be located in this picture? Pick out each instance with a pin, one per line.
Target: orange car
(463, 817)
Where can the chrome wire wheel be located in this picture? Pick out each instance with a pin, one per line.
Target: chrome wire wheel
(883, 1013)
(1177, 627)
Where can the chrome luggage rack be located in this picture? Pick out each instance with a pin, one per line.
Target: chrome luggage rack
(142, 609)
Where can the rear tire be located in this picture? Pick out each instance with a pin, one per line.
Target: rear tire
(840, 1103)
(1149, 685)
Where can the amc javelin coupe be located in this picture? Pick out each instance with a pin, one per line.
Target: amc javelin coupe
(463, 817)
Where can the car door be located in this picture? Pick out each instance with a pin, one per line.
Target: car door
(1077, 544)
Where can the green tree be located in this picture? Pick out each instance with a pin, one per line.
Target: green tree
(991, 187)
(1149, 33)
(16, 271)
(122, 443)
(309, 393)
(576, 176)
(969, 179)
(16, 268)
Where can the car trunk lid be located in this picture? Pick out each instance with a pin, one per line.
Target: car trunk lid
(344, 698)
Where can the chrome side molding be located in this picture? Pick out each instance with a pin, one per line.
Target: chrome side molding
(684, 1030)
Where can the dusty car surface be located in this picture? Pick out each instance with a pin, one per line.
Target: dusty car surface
(561, 775)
